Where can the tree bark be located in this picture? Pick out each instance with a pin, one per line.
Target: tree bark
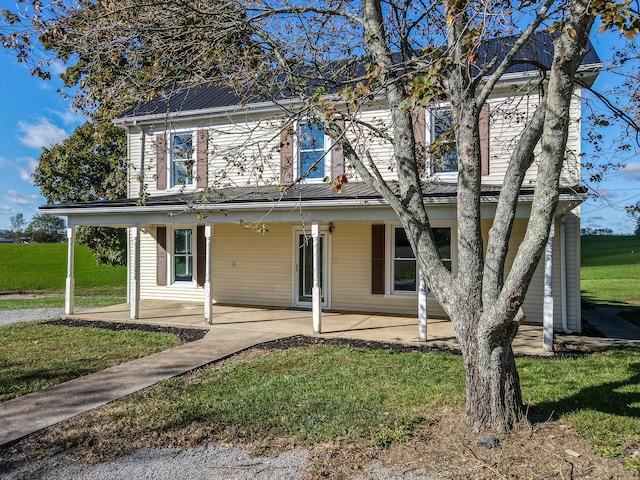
(494, 399)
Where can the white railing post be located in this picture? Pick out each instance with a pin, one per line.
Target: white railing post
(69, 294)
(134, 301)
(317, 289)
(547, 309)
(422, 307)
(208, 306)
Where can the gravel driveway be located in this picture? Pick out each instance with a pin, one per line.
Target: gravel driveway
(213, 462)
(27, 315)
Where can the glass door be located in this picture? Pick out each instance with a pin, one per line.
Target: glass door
(304, 269)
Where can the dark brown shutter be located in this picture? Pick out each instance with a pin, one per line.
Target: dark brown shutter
(161, 255)
(377, 259)
(161, 161)
(483, 125)
(286, 154)
(337, 155)
(201, 159)
(201, 253)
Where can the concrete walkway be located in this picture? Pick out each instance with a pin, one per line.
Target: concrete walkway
(30, 413)
(239, 328)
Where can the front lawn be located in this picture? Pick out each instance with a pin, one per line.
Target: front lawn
(370, 400)
(34, 356)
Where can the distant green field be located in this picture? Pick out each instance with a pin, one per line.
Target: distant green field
(610, 273)
(42, 268)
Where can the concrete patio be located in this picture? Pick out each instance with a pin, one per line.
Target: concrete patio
(361, 326)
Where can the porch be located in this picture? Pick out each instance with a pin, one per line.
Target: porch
(359, 326)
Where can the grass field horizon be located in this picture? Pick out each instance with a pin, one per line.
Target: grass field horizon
(610, 272)
(42, 269)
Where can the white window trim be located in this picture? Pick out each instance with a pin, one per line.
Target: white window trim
(171, 281)
(296, 154)
(389, 243)
(194, 157)
(429, 137)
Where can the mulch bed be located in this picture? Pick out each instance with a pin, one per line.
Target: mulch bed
(185, 335)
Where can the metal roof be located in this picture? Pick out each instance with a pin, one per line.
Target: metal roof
(537, 52)
(257, 197)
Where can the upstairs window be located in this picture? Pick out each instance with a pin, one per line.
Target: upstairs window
(442, 148)
(312, 153)
(182, 158)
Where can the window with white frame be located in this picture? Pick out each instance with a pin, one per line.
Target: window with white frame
(442, 148)
(312, 154)
(183, 270)
(403, 261)
(182, 159)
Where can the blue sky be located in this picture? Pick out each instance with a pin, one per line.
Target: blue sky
(34, 115)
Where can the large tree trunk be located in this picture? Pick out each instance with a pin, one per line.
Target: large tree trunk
(494, 401)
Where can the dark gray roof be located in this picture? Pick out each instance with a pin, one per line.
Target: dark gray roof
(538, 52)
(297, 194)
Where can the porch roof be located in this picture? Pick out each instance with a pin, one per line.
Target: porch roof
(310, 195)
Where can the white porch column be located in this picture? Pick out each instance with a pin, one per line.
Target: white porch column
(422, 307)
(69, 293)
(547, 310)
(134, 301)
(208, 307)
(316, 292)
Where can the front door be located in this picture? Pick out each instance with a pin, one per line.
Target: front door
(303, 270)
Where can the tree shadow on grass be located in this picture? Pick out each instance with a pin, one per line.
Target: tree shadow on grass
(621, 398)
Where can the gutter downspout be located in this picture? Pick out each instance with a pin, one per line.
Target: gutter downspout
(563, 273)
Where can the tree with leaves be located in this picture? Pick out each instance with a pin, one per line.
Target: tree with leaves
(634, 212)
(17, 224)
(88, 166)
(45, 229)
(337, 58)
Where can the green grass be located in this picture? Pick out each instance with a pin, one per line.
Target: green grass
(42, 268)
(610, 272)
(328, 393)
(58, 302)
(606, 250)
(314, 394)
(34, 356)
(599, 395)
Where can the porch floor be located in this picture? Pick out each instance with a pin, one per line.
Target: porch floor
(361, 326)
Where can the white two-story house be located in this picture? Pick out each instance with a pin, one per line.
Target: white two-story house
(215, 214)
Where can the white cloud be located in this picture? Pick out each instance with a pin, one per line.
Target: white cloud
(69, 117)
(25, 167)
(41, 134)
(631, 171)
(24, 200)
(609, 194)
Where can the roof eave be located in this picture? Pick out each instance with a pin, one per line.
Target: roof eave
(79, 209)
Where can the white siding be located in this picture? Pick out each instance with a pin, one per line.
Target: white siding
(245, 150)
